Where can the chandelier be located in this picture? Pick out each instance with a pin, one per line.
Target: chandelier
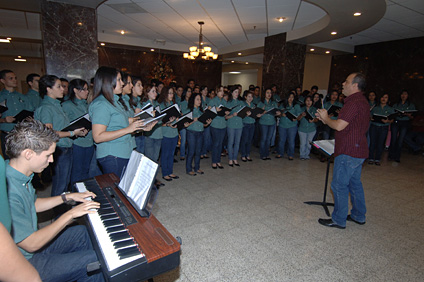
(204, 52)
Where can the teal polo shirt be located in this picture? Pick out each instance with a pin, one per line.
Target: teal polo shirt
(197, 125)
(103, 112)
(177, 99)
(50, 111)
(130, 111)
(22, 206)
(184, 107)
(304, 125)
(285, 122)
(267, 119)
(167, 131)
(218, 122)
(248, 119)
(236, 121)
(328, 104)
(16, 102)
(5, 217)
(75, 109)
(385, 111)
(33, 99)
(256, 100)
(276, 98)
(156, 132)
(205, 102)
(403, 107)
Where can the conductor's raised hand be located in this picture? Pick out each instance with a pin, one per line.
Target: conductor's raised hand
(322, 114)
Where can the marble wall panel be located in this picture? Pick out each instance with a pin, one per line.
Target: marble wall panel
(389, 68)
(283, 63)
(69, 40)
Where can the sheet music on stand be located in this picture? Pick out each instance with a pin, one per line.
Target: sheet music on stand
(327, 146)
(137, 183)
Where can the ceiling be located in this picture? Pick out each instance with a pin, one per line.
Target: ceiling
(231, 26)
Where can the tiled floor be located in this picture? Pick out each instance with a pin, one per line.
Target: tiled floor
(249, 223)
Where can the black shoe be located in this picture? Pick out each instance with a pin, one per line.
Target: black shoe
(243, 159)
(220, 166)
(377, 163)
(174, 177)
(349, 218)
(268, 158)
(329, 223)
(249, 159)
(215, 167)
(175, 161)
(236, 164)
(167, 179)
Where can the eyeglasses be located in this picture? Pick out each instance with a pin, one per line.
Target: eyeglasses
(84, 89)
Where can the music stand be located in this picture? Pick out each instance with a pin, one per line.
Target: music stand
(327, 148)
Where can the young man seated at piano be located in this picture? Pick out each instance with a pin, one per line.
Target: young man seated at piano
(58, 252)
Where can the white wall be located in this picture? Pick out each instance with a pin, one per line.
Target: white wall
(244, 79)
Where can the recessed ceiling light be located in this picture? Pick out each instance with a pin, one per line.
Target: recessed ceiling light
(4, 40)
(312, 49)
(239, 54)
(9, 38)
(19, 57)
(201, 43)
(153, 50)
(357, 14)
(102, 44)
(20, 60)
(232, 62)
(281, 19)
(327, 52)
(247, 63)
(79, 23)
(235, 72)
(334, 33)
(122, 32)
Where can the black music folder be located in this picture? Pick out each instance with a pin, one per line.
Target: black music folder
(208, 114)
(334, 110)
(308, 115)
(243, 112)
(171, 111)
(256, 111)
(146, 112)
(290, 116)
(3, 107)
(23, 115)
(221, 113)
(137, 183)
(272, 111)
(182, 120)
(379, 118)
(406, 112)
(82, 121)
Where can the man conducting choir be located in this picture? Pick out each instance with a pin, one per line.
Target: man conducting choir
(58, 252)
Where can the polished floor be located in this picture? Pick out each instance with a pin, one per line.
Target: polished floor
(249, 223)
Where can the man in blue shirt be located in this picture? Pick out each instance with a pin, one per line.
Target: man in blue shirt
(33, 96)
(57, 252)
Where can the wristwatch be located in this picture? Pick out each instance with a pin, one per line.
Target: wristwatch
(66, 201)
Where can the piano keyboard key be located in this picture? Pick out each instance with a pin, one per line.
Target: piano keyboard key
(123, 244)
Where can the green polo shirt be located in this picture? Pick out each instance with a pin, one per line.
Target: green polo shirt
(16, 102)
(285, 122)
(130, 114)
(403, 107)
(235, 122)
(184, 107)
(22, 206)
(267, 119)
(304, 124)
(385, 111)
(167, 131)
(205, 102)
(75, 109)
(4, 202)
(248, 119)
(328, 104)
(34, 99)
(114, 117)
(256, 100)
(50, 111)
(197, 125)
(218, 122)
(156, 132)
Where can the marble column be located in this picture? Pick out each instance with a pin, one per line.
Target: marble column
(69, 40)
(283, 63)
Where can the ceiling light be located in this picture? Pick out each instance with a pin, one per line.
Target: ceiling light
(247, 63)
(357, 14)
(239, 54)
(281, 19)
(9, 38)
(235, 72)
(122, 32)
(153, 50)
(334, 33)
(20, 60)
(199, 52)
(19, 57)
(79, 23)
(327, 52)
(232, 62)
(312, 49)
(4, 40)
(102, 44)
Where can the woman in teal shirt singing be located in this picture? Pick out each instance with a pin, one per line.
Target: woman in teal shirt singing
(248, 129)
(234, 126)
(266, 123)
(307, 128)
(287, 128)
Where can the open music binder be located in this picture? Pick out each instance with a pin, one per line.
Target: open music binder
(326, 146)
(23, 115)
(208, 114)
(82, 121)
(334, 110)
(3, 107)
(137, 183)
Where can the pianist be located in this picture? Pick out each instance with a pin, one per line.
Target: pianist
(58, 252)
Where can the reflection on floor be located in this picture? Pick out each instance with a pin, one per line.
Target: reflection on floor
(249, 223)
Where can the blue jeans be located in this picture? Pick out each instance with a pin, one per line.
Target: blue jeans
(399, 130)
(194, 147)
(257, 135)
(247, 139)
(167, 155)
(274, 135)
(347, 179)
(305, 143)
(139, 143)
(378, 135)
(62, 167)
(183, 141)
(234, 137)
(415, 140)
(266, 134)
(218, 135)
(112, 164)
(66, 257)
(81, 160)
(327, 132)
(94, 166)
(152, 148)
(206, 146)
(289, 135)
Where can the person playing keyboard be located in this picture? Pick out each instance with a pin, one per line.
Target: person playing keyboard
(58, 252)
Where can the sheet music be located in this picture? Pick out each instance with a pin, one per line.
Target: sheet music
(325, 145)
